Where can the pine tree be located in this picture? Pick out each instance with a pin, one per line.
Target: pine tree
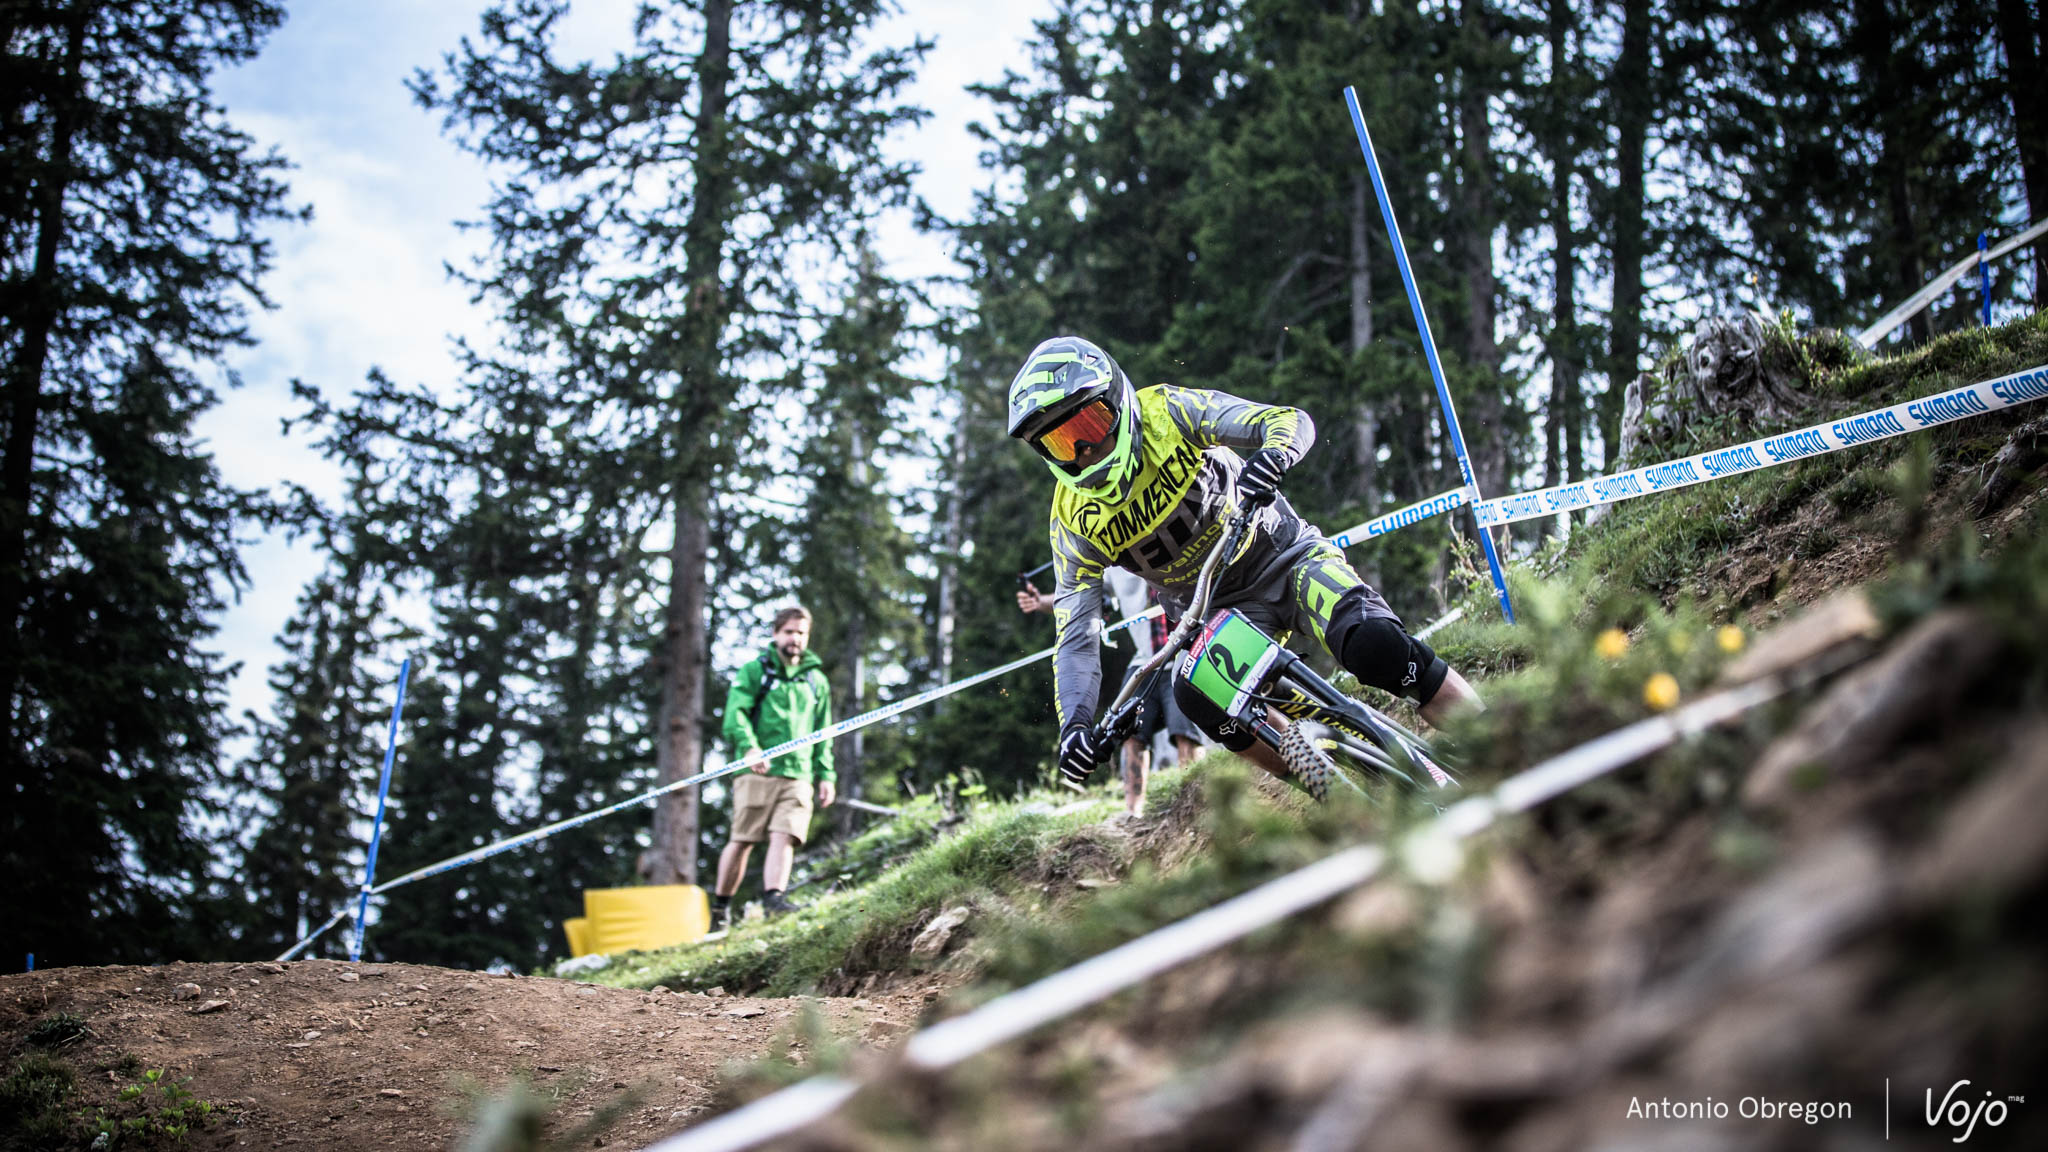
(1297, 296)
(2023, 47)
(131, 227)
(506, 507)
(647, 238)
(1852, 149)
(853, 558)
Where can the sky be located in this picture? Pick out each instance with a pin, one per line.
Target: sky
(364, 284)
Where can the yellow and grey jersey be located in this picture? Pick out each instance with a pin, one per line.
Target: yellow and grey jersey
(1184, 493)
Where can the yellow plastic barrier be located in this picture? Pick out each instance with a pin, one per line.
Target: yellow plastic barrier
(577, 928)
(655, 916)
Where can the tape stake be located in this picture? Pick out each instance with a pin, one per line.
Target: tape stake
(355, 950)
(1770, 451)
(1942, 283)
(1984, 273)
(1436, 369)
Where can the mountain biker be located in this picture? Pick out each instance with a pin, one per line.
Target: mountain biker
(1147, 480)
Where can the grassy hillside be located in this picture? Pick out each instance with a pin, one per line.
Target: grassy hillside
(1667, 571)
(1810, 869)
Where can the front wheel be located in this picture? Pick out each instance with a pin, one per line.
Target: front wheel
(1319, 756)
(1356, 734)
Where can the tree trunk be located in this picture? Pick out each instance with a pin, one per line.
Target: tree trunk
(1629, 100)
(1361, 267)
(679, 744)
(700, 401)
(1365, 488)
(851, 751)
(2019, 30)
(1565, 432)
(1486, 439)
(949, 555)
(851, 748)
(24, 382)
(1875, 47)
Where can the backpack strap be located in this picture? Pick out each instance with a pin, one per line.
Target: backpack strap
(771, 675)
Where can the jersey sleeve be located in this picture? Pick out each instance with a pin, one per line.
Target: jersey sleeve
(1077, 622)
(1218, 419)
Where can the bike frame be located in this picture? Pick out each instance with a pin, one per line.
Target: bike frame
(1252, 671)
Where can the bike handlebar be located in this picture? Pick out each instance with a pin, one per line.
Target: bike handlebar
(1191, 619)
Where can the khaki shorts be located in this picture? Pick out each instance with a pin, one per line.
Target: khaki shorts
(764, 804)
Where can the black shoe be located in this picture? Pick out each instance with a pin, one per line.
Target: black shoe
(776, 903)
(721, 918)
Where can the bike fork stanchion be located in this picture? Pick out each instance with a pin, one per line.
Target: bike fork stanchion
(1436, 370)
(355, 950)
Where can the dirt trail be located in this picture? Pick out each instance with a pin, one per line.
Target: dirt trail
(323, 1054)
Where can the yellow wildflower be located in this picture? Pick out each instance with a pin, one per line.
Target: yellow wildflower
(1611, 644)
(1661, 691)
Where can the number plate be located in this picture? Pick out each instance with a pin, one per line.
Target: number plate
(1229, 661)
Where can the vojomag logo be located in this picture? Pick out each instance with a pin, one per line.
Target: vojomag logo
(1959, 1113)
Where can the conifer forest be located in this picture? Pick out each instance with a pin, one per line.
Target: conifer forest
(704, 394)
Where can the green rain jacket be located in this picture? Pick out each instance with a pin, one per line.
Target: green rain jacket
(792, 703)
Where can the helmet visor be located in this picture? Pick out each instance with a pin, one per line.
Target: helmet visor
(1091, 426)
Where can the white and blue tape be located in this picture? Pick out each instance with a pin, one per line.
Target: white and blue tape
(1770, 451)
(1402, 517)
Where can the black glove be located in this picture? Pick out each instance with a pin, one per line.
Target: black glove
(1260, 480)
(1079, 753)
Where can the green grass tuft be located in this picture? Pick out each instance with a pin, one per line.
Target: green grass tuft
(868, 927)
(33, 1103)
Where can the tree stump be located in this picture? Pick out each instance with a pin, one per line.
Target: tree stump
(1738, 366)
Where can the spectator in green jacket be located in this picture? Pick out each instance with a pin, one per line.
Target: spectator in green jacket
(779, 697)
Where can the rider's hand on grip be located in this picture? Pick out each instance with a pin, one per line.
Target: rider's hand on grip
(1259, 482)
(1079, 753)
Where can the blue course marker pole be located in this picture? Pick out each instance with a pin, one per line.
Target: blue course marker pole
(355, 950)
(1436, 370)
(1984, 274)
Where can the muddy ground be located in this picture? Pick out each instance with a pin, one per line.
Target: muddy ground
(323, 1054)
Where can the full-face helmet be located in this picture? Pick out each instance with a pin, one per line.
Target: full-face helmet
(1077, 410)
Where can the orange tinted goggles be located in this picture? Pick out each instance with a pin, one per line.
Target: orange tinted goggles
(1091, 424)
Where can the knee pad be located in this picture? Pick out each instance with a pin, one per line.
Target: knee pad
(1381, 653)
(1204, 714)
